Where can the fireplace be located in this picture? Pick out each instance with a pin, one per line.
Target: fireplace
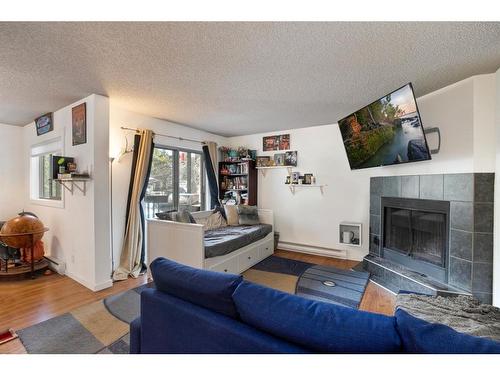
(415, 234)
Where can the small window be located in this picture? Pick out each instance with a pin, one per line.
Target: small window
(43, 187)
(49, 189)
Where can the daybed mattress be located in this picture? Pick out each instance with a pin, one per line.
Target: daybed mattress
(225, 240)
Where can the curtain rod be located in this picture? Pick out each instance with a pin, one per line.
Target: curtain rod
(167, 136)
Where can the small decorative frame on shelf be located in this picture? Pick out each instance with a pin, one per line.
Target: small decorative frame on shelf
(350, 233)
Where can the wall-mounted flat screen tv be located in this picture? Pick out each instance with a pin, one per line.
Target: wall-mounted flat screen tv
(385, 132)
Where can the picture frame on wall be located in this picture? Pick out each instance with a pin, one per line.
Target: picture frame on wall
(79, 124)
(279, 159)
(284, 142)
(270, 143)
(263, 161)
(44, 124)
(291, 158)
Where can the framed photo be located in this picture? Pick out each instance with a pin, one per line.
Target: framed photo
(270, 143)
(291, 158)
(262, 161)
(284, 142)
(79, 124)
(308, 178)
(44, 124)
(279, 159)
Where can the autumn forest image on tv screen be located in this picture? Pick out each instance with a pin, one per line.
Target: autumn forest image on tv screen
(388, 131)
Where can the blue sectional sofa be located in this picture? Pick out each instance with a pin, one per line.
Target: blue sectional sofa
(200, 311)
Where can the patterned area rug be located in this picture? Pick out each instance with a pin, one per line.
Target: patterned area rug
(321, 283)
(101, 327)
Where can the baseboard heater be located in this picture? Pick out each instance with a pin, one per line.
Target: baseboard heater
(56, 265)
(317, 250)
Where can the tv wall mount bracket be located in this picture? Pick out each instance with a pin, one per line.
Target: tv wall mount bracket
(434, 130)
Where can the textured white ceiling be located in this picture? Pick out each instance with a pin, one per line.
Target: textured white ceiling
(234, 78)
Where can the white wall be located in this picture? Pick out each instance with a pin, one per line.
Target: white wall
(79, 231)
(312, 219)
(121, 169)
(11, 170)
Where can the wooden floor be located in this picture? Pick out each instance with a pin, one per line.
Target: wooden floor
(25, 302)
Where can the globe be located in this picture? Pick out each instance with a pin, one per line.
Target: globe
(24, 223)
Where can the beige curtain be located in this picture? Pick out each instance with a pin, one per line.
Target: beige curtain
(130, 259)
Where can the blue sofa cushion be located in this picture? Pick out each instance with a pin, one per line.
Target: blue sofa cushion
(419, 336)
(212, 290)
(318, 326)
(170, 325)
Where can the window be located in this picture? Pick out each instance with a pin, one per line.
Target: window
(43, 188)
(49, 189)
(176, 182)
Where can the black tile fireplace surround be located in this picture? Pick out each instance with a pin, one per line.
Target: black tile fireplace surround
(450, 248)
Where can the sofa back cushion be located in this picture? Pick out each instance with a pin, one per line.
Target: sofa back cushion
(318, 326)
(419, 336)
(212, 290)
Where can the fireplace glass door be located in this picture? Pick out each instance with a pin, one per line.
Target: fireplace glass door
(417, 234)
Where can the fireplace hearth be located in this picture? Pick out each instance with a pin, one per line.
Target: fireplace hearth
(415, 234)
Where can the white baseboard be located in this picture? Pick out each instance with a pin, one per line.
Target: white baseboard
(93, 287)
(315, 250)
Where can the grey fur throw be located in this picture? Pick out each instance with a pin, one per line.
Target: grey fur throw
(462, 313)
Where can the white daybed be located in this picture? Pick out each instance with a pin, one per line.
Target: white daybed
(184, 243)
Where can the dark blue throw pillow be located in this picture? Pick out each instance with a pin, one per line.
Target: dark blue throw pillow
(419, 336)
(318, 326)
(212, 290)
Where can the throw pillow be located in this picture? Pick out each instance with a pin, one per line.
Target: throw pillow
(215, 221)
(166, 215)
(185, 216)
(248, 215)
(232, 216)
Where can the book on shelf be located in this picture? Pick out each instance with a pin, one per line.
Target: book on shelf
(69, 176)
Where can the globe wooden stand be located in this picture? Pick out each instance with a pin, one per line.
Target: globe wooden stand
(30, 244)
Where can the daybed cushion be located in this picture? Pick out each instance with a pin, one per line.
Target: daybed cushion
(212, 290)
(419, 336)
(225, 240)
(318, 326)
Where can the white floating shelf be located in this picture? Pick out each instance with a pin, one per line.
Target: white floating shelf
(294, 186)
(263, 170)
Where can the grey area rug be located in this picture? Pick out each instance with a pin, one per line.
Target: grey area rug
(100, 327)
(322, 283)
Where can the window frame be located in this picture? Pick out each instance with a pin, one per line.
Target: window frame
(176, 170)
(53, 146)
